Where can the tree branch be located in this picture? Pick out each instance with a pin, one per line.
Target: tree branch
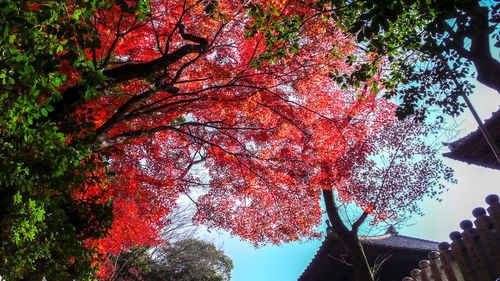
(358, 222)
(333, 214)
(74, 96)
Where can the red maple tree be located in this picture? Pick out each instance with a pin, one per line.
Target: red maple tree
(181, 90)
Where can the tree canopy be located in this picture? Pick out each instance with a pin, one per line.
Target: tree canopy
(433, 46)
(427, 50)
(183, 260)
(110, 106)
(43, 219)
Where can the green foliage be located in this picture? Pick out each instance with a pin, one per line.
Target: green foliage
(429, 46)
(185, 260)
(410, 36)
(280, 32)
(44, 216)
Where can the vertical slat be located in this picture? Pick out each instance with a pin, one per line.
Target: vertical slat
(494, 210)
(485, 228)
(463, 260)
(436, 267)
(447, 261)
(416, 274)
(476, 251)
(425, 270)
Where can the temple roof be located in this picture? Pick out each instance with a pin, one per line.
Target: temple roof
(396, 241)
(473, 148)
(402, 253)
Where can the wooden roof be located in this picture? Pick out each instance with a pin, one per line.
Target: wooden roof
(473, 148)
(401, 253)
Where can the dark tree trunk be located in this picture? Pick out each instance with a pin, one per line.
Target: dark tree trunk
(488, 71)
(33, 277)
(361, 268)
(488, 68)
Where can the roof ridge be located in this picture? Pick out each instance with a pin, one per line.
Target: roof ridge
(387, 235)
(376, 237)
(416, 238)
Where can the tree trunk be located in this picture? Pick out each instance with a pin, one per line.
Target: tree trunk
(33, 277)
(488, 68)
(488, 72)
(361, 268)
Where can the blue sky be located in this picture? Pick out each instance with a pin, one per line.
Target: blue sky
(287, 262)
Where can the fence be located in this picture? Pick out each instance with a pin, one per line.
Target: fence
(473, 255)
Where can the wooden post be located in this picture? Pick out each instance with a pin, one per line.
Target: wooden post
(494, 211)
(486, 234)
(416, 273)
(463, 260)
(448, 262)
(436, 267)
(476, 251)
(425, 270)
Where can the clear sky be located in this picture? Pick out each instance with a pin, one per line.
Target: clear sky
(287, 262)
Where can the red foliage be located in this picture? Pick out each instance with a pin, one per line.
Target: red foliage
(400, 169)
(257, 145)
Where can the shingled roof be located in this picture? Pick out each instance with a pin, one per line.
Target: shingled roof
(391, 239)
(473, 148)
(401, 254)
